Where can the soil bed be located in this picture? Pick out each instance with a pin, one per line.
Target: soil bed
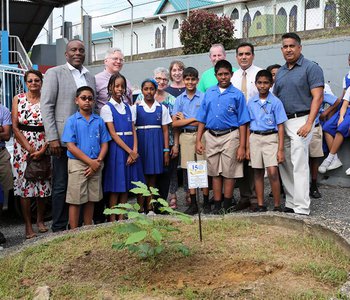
(238, 259)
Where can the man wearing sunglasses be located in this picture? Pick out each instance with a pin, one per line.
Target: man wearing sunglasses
(57, 104)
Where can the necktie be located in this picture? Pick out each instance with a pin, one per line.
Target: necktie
(244, 85)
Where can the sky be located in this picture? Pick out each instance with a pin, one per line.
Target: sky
(101, 11)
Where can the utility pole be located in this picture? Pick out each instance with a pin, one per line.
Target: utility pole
(82, 18)
(132, 30)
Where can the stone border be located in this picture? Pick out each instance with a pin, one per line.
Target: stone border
(307, 224)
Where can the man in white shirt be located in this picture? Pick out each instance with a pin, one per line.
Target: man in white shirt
(57, 104)
(244, 80)
(114, 62)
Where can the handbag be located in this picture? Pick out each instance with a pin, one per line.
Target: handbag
(39, 169)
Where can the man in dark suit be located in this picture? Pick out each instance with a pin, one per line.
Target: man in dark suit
(57, 104)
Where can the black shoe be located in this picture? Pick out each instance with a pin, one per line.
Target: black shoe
(277, 208)
(254, 207)
(2, 238)
(288, 210)
(315, 193)
(217, 210)
(192, 210)
(261, 208)
(207, 208)
(241, 205)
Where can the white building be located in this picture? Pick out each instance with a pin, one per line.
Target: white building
(251, 18)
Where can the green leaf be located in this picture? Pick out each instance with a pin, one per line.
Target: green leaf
(154, 191)
(133, 214)
(137, 206)
(163, 202)
(140, 184)
(169, 228)
(125, 205)
(115, 211)
(184, 218)
(133, 248)
(183, 249)
(136, 237)
(156, 235)
(144, 221)
(138, 191)
(144, 247)
(128, 228)
(159, 249)
(167, 209)
(118, 246)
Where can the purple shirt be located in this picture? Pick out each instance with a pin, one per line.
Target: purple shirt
(102, 97)
(5, 119)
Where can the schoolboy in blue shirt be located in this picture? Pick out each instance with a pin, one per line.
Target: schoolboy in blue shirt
(184, 116)
(265, 142)
(87, 140)
(223, 116)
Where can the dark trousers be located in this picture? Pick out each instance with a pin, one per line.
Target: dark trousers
(246, 185)
(59, 190)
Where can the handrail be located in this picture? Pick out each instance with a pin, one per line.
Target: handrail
(12, 83)
(18, 54)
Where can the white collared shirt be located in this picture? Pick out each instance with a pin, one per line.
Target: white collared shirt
(166, 119)
(251, 73)
(79, 76)
(106, 112)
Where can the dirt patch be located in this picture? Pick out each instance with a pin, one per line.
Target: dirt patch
(237, 260)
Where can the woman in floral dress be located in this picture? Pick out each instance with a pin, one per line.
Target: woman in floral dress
(30, 140)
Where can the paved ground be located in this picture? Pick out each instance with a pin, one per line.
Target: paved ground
(333, 209)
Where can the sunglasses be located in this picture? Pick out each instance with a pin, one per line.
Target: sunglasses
(35, 80)
(84, 98)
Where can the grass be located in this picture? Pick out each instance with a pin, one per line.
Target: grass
(235, 255)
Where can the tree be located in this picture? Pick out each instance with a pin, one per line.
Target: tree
(202, 29)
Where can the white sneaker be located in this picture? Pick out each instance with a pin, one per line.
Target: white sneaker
(151, 213)
(324, 166)
(347, 172)
(335, 164)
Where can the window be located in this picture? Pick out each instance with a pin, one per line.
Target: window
(164, 37)
(313, 4)
(282, 12)
(176, 24)
(157, 38)
(234, 14)
(247, 21)
(257, 14)
(293, 19)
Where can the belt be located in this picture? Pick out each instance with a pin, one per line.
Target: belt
(124, 133)
(266, 132)
(187, 130)
(298, 114)
(148, 127)
(222, 132)
(31, 128)
(318, 124)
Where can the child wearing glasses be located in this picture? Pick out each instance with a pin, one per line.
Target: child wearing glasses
(265, 138)
(123, 164)
(87, 140)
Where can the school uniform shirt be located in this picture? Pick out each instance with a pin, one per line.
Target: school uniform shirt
(223, 110)
(346, 81)
(5, 120)
(266, 115)
(189, 107)
(87, 135)
(329, 99)
(106, 112)
(166, 119)
(251, 74)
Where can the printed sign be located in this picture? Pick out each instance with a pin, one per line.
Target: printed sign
(197, 174)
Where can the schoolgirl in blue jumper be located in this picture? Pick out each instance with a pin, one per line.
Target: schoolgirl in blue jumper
(123, 163)
(152, 119)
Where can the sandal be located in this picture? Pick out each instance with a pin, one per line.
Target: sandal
(42, 229)
(173, 201)
(31, 236)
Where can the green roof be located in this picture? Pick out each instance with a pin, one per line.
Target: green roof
(181, 5)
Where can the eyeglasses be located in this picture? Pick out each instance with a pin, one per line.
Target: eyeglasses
(117, 59)
(161, 79)
(84, 98)
(31, 80)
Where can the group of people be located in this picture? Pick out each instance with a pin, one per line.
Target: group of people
(241, 121)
